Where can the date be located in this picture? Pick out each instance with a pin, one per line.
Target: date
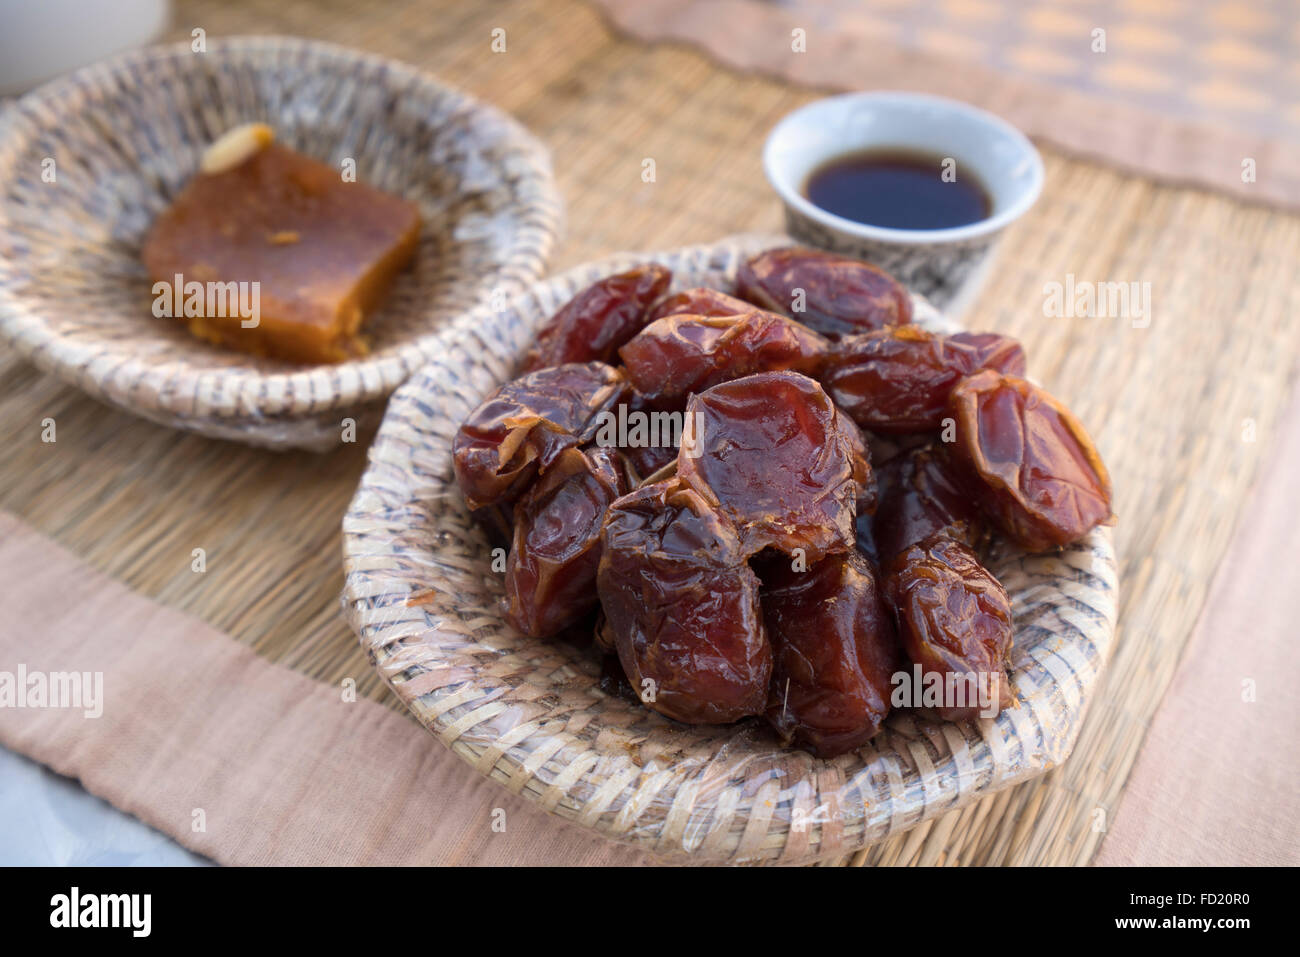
(523, 427)
(1029, 461)
(551, 569)
(834, 650)
(592, 325)
(646, 457)
(920, 497)
(699, 301)
(830, 294)
(859, 453)
(898, 380)
(682, 607)
(678, 355)
(954, 619)
(770, 455)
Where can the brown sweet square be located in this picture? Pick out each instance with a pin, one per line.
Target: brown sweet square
(322, 252)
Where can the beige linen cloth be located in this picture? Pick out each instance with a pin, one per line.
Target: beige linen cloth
(1178, 90)
(1217, 781)
(284, 771)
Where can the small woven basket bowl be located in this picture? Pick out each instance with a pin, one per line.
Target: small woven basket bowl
(120, 139)
(422, 595)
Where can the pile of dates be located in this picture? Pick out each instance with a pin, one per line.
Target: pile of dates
(754, 560)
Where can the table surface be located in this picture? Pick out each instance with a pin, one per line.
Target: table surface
(1183, 409)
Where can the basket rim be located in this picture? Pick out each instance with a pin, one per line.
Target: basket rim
(134, 381)
(367, 601)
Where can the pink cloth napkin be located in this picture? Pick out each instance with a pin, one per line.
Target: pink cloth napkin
(1217, 781)
(276, 767)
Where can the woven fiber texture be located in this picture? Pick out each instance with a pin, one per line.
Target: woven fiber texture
(125, 136)
(422, 595)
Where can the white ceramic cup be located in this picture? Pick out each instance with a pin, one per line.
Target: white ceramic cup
(49, 37)
(944, 265)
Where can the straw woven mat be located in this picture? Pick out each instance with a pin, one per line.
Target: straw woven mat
(1183, 410)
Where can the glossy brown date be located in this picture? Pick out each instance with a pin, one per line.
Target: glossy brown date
(834, 650)
(646, 460)
(613, 681)
(840, 296)
(524, 426)
(647, 457)
(1029, 461)
(920, 497)
(593, 324)
(682, 607)
(698, 302)
(954, 620)
(898, 380)
(864, 477)
(769, 454)
(551, 569)
(497, 522)
(675, 356)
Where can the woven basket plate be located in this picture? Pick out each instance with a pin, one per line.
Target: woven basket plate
(423, 598)
(122, 138)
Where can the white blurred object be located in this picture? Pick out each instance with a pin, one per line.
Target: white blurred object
(40, 40)
(50, 820)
